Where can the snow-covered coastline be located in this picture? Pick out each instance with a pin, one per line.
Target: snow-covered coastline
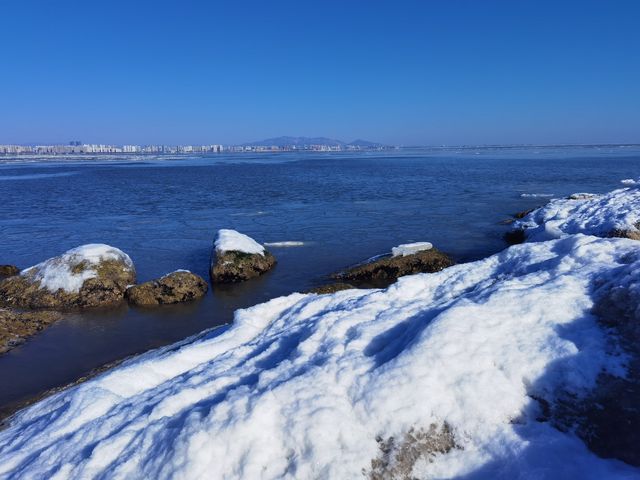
(301, 381)
(616, 213)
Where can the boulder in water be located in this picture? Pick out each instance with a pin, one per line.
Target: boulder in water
(238, 257)
(177, 287)
(93, 275)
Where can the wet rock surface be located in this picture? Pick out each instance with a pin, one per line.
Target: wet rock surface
(100, 283)
(16, 326)
(176, 287)
(330, 288)
(8, 270)
(388, 269)
(236, 266)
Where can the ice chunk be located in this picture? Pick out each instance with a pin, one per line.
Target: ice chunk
(410, 248)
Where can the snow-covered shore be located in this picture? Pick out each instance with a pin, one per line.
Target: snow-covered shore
(454, 365)
(616, 213)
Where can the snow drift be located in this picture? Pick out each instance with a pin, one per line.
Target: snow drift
(616, 213)
(336, 386)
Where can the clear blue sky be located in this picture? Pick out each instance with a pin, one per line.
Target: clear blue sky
(400, 72)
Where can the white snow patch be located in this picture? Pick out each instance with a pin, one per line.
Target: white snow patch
(301, 386)
(285, 244)
(57, 273)
(410, 248)
(233, 241)
(589, 214)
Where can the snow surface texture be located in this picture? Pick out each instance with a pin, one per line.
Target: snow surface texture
(410, 248)
(584, 213)
(58, 272)
(233, 241)
(301, 386)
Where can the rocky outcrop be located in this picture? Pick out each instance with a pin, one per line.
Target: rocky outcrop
(8, 270)
(17, 326)
(330, 288)
(237, 257)
(177, 287)
(388, 269)
(92, 275)
(234, 267)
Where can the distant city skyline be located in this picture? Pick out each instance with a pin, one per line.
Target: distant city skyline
(402, 73)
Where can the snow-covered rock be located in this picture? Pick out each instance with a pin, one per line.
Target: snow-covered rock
(86, 276)
(233, 241)
(237, 257)
(614, 214)
(449, 364)
(407, 259)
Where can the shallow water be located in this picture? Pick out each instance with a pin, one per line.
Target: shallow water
(164, 212)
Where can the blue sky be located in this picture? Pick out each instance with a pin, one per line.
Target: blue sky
(420, 72)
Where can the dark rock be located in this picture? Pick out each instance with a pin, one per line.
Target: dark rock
(631, 234)
(176, 287)
(389, 269)
(235, 266)
(8, 270)
(515, 236)
(524, 213)
(17, 326)
(105, 284)
(330, 288)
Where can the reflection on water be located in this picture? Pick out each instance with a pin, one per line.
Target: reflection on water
(343, 208)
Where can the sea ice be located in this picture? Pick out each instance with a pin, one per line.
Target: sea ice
(410, 248)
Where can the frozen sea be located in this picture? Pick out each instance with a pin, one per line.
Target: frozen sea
(343, 208)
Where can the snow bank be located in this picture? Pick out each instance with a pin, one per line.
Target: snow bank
(231, 240)
(410, 248)
(601, 215)
(301, 386)
(70, 270)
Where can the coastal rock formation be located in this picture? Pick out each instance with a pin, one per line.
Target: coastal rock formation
(17, 326)
(237, 257)
(176, 287)
(389, 268)
(93, 275)
(8, 270)
(466, 349)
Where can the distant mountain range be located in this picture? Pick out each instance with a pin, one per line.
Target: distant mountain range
(302, 142)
